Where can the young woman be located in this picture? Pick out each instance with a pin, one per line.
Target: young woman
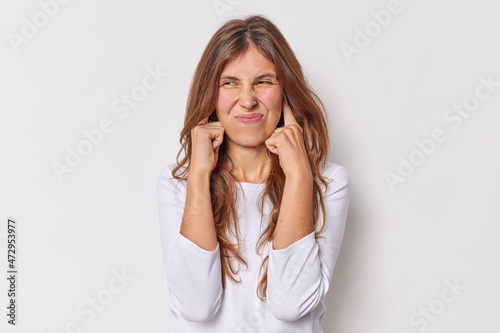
(252, 216)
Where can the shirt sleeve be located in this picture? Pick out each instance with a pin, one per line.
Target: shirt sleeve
(191, 275)
(299, 276)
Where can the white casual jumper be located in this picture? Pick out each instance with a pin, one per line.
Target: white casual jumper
(298, 276)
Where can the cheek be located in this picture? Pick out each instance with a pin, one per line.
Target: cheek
(224, 104)
(273, 102)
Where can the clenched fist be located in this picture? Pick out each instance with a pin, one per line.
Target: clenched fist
(206, 139)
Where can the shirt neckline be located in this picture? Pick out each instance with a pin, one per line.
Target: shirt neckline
(251, 186)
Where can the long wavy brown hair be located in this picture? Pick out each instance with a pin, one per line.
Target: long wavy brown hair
(230, 41)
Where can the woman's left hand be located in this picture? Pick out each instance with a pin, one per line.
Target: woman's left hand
(288, 143)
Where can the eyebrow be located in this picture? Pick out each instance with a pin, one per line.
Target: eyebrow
(260, 77)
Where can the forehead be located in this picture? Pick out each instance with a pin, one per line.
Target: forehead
(251, 63)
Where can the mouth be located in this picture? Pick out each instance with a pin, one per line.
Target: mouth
(249, 119)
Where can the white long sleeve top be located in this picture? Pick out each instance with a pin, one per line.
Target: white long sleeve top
(298, 276)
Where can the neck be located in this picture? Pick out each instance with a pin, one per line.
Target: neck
(251, 164)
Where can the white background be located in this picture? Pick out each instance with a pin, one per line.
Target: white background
(400, 247)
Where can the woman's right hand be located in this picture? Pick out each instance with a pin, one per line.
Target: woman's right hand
(206, 139)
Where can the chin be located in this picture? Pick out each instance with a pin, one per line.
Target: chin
(247, 141)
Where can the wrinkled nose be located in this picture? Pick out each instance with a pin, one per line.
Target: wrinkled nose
(247, 99)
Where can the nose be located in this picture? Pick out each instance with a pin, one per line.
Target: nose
(247, 98)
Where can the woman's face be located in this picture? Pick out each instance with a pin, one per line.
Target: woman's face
(249, 101)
